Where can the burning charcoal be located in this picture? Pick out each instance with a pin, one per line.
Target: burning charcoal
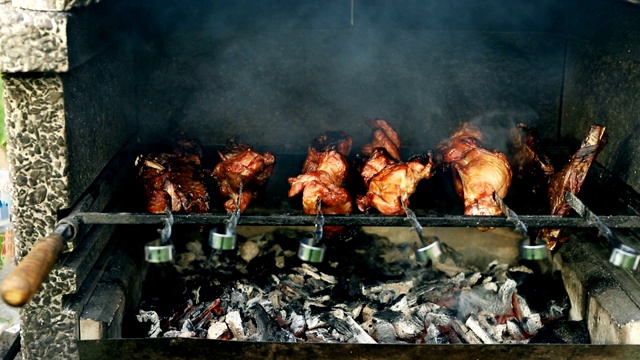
(267, 329)
(531, 324)
(407, 327)
(477, 298)
(314, 321)
(562, 332)
(321, 335)
(297, 323)
(353, 309)
(514, 330)
(463, 331)
(440, 320)
(153, 318)
(401, 305)
(216, 330)
(474, 325)
(386, 296)
(177, 333)
(553, 312)
(359, 335)
(249, 250)
(384, 332)
(396, 288)
(338, 314)
(234, 322)
(308, 270)
(274, 299)
(433, 335)
(488, 323)
(473, 279)
(506, 292)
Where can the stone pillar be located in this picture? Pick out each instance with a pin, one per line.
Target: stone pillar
(63, 125)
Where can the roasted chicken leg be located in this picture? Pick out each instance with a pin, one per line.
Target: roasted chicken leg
(571, 178)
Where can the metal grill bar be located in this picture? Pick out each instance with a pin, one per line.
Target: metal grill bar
(359, 220)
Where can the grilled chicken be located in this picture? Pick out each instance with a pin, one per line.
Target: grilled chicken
(377, 161)
(532, 168)
(324, 174)
(478, 172)
(241, 167)
(571, 178)
(326, 183)
(330, 140)
(394, 183)
(383, 137)
(173, 181)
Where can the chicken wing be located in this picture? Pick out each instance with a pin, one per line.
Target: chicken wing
(394, 183)
(383, 137)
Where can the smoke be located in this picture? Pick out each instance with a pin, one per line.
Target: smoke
(276, 74)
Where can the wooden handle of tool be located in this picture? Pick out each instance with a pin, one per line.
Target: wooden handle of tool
(23, 282)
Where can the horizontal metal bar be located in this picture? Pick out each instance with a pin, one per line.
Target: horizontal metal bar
(536, 221)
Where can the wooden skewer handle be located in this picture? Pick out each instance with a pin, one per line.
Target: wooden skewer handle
(23, 282)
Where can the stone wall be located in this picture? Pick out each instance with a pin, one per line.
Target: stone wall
(69, 103)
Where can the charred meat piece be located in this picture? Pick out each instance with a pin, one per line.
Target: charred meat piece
(571, 178)
(173, 182)
(383, 137)
(394, 183)
(326, 183)
(477, 172)
(532, 168)
(328, 141)
(241, 167)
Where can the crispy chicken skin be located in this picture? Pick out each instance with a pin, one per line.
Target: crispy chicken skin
(378, 160)
(330, 140)
(571, 178)
(325, 182)
(480, 173)
(394, 183)
(241, 167)
(173, 181)
(383, 137)
(477, 172)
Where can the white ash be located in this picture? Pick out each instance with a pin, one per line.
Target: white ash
(153, 318)
(234, 322)
(216, 330)
(324, 303)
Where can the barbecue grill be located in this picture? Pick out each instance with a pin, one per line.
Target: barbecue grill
(89, 85)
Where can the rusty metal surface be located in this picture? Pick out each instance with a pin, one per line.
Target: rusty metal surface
(207, 349)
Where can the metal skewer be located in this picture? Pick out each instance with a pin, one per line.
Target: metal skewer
(228, 239)
(430, 250)
(530, 249)
(621, 255)
(310, 248)
(161, 250)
